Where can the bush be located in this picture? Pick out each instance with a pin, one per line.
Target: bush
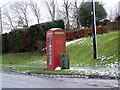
(35, 33)
(117, 18)
(113, 26)
(28, 39)
(11, 42)
(101, 29)
(15, 41)
(5, 48)
(18, 41)
(54, 24)
(71, 35)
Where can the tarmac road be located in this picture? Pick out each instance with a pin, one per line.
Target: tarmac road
(24, 81)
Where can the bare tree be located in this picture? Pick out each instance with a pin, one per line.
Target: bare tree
(59, 14)
(113, 14)
(51, 7)
(9, 21)
(35, 9)
(65, 13)
(110, 15)
(21, 11)
(70, 13)
(18, 15)
(66, 10)
(75, 15)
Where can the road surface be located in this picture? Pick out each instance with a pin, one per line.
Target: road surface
(25, 81)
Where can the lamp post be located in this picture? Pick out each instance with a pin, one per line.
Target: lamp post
(95, 55)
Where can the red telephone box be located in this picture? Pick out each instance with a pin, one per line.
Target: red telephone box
(55, 43)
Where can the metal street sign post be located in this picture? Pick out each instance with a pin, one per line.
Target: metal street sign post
(94, 31)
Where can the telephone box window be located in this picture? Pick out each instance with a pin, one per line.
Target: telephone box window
(50, 50)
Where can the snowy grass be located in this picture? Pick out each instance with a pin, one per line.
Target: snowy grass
(81, 51)
(70, 71)
(95, 72)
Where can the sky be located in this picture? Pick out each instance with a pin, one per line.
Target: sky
(108, 5)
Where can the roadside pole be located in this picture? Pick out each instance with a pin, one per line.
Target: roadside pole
(95, 55)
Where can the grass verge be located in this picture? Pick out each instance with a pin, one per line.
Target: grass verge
(38, 71)
(24, 58)
(81, 52)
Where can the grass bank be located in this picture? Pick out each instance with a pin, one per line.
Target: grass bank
(80, 53)
(24, 58)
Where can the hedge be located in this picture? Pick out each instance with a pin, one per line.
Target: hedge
(74, 34)
(28, 39)
(33, 38)
(113, 26)
(48, 25)
(5, 47)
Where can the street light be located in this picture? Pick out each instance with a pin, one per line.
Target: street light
(95, 55)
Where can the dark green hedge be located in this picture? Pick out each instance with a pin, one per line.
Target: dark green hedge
(44, 27)
(18, 41)
(28, 39)
(5, 47)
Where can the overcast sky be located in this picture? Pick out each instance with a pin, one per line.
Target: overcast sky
(108, 5)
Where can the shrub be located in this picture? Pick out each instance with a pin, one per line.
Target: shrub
(71, 35)
(5, 47)
(28, 39)
(18, 41)
(117, 18)
(11, 42)
(113, 26)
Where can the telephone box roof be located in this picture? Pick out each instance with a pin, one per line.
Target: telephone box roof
(53, 29)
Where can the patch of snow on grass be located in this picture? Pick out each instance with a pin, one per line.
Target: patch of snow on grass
(95, 72)
(105, 59)
(58, 68)
(74, 41)
(102, 58)
(112, 65)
